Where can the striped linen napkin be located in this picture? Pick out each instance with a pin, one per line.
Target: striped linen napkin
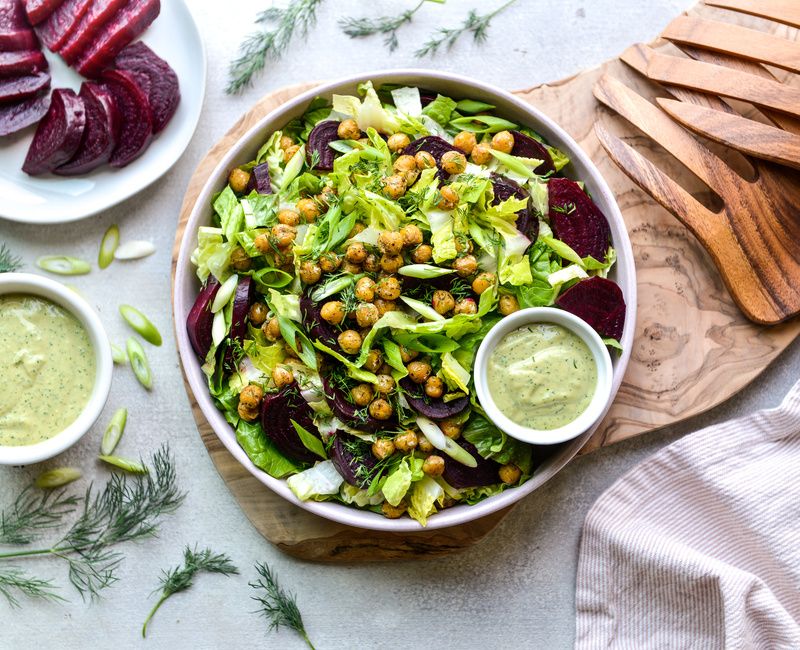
(699, 546)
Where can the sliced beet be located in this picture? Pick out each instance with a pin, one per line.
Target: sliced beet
(278, 411)
(353, 459)
(60, 25)
(24, 62)
(12, 15)
(433, 144)
(39, 10)
(242, 299)
(126, 26)
(103, 124)
(162, 88)
(15, 117)
(58, 135)
(461, 476)
(18, 39)
(435, 409)
(599, 302)
(316, 326)
(504, 189)
(576, 220)
(137, 124)
(200, 318)
(527, 147)
(94, 21)
(319, 140)
(347, 412)
(15, 89)
(260, 180)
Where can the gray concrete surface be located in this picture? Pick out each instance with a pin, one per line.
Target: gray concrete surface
(514, 590)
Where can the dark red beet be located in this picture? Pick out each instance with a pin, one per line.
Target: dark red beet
(347, 412)
(103, 124)
(15, 117)
(316, 326)
(435, 409)
(355, 468)
(576, 220)
(58, 135)
(433, 144)
(426, 97)
(277, 413)
(242, 300)
(94, 21)
(319, 140)
(163, 91)
(24, 62)
(461, 476)
(527, 147)
(599, 302)
(15, 89)
(504, 189)
(19, 39)
(200, 318)
(137, 124)
(12, 15)
(259, 179)
(56, 30)
(39, 10)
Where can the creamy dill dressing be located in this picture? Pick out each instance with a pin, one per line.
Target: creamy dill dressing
(542, 376)
(47, 369)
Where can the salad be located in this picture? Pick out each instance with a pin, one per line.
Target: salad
(349, 275)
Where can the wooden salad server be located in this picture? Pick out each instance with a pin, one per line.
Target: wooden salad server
(781, 11)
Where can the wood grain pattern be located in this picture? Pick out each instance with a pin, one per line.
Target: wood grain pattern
(693, 348)
(782, 11)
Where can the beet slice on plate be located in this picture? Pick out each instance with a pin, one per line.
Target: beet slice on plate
(599, 302)
(18, 39)
(39, 10)
(14, 89)
(23, 62)
(123, 28)
(200, 318)
(161, 85)
(103, 124)
(17, 116)
(433, 144)
(58, 135)
(137, 124)
(347, 412)
(527, 147)
(435, 409)
(242, 299)
(504, 188)
(12, 15)
(461, 476)
(56, 30)
(319, 140)
(95, 20)
(260, 180)
(277, 413)
(316, 326)
(353, 459)
(576, 220)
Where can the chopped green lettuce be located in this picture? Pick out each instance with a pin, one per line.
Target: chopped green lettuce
(440, 109)
(397, 483)
(424, 495)
(263, 452)
(316, 483)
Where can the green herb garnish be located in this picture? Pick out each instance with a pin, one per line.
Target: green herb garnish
(33, 513)
(278, 606)
(8, 261)
(385, 25)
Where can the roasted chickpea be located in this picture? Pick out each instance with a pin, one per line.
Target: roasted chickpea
(384, 306)
(482, 282)
(394, 186)
(393, 512)
(359, 227)
(424, 445)
(509, 474)
(289, 152)
(463, 244)
(247, 413)
(348, 130)
(507, 304)
(465, 141)
(391, 263)
(356, 253)
(434, 387)
(466, 306)
(385, 369)
(326, 197)
(310, 272)
(238, 180)
(412, 235)
(465, 265)
(308, 209)
(251, 396)
(390, 242)
(374, 360)
(271, 329)
(372, 264)
(362, 394)
(240, 260)
(258, 313)
(481, 155)
(424, 160)
(367, 314)
(503, 141)
(422, 254)
(282, 376)
(283, 235)
(433, 465)
(263, 244)
(286, 142)
(380, 409)
(404, 164)
(382, 448)
(388, 288)
(349, 267)
(329, 262)
(406, 441)
(350, 341)
(454, 162)
(407, 355)
(385, 384)
(449, 198)
(365, 289)
(333, 312)
(419, 371)
(397, 142)
(450, 427)
(289, 217)
(443, 301)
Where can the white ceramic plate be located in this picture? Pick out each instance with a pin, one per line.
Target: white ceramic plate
(52, 199)
(581, 167)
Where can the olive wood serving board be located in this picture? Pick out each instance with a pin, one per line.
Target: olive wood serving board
(693, 348)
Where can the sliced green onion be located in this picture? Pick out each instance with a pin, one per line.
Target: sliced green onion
(118, 355)
(423, 309)
(218, 328)
(57, 477)
(139, 364)
(224, 293)
(472, 106)
(63, 265)
(123, 463)
(114, 432)
(108, 245)
(141, 324)
(423, 271)
(335, 285)
(134, 250)
(449, 446)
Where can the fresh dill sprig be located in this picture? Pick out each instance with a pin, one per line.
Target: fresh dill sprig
(180, 578)
(386, 25)
(278, 606)
(34, 513)
(13, 580)
(8, 261)
(279, 27)
(475, 23)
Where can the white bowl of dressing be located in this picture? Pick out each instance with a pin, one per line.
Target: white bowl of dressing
(35, 361)
(543, 375)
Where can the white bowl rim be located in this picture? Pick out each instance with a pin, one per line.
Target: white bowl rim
(29, 283)
(576, 325)
(184, 273)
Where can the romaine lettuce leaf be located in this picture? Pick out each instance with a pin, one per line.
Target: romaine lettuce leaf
(264, 454)
(397, 483)
(316, 483)
(213, 254)
(424, 495)
(493, 444)
(440, 109)
(368, 113)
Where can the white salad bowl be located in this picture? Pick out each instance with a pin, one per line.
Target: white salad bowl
(186, 284)
(26, 283)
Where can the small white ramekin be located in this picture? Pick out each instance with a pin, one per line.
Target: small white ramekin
(579, 327)
(26, 283)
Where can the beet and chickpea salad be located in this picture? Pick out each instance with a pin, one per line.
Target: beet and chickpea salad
(352, 270)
